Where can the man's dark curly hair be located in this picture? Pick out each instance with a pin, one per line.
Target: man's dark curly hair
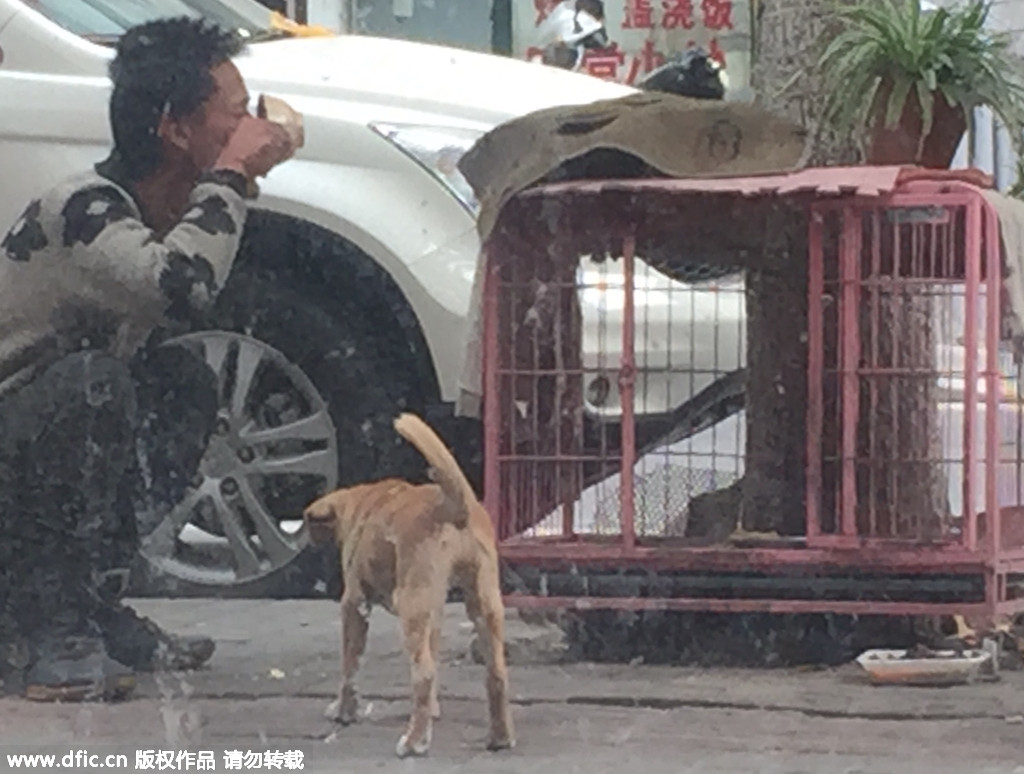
(162, 67)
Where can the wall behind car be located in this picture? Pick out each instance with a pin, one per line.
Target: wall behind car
(460, 23)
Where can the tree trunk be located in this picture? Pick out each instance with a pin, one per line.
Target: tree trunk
(789, 37)
(776, 394)
(901, 491)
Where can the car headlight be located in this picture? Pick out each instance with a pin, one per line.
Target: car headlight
(438, 150)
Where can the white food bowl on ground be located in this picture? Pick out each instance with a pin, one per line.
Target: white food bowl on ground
(942, 667)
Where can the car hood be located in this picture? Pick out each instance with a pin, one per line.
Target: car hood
(474, 87)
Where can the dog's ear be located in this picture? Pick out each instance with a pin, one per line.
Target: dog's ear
(321, 519)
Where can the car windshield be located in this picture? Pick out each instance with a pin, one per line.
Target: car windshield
(104, 21)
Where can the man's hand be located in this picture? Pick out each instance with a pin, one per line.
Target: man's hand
(256, 147)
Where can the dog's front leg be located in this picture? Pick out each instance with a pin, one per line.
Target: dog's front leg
(354, 626)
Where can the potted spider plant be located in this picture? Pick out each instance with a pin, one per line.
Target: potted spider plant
(905, 80)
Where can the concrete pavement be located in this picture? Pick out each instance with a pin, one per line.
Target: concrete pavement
(276, 668)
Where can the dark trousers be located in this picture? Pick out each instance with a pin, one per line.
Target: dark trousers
(71, 442)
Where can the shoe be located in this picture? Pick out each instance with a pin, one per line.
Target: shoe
(139, 643)
(75, 668)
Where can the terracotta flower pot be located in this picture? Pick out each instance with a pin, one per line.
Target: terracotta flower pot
(899, 145)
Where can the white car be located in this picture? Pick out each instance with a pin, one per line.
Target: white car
(351, 293)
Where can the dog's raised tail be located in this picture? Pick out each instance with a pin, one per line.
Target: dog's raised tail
(448, 474)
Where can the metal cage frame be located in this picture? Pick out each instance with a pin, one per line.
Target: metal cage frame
(983, 579)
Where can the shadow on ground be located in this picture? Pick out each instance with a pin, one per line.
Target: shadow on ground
(712, 639)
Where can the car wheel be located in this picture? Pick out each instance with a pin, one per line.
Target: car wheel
(306, 403)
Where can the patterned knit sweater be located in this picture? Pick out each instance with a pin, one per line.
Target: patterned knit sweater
(80, 269)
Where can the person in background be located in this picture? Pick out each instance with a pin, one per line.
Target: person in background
(571, 28)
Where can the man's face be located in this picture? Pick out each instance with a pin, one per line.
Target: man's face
(206, 132)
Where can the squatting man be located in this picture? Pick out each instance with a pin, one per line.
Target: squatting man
(93, 276)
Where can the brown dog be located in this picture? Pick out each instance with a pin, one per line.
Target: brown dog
(402, 547)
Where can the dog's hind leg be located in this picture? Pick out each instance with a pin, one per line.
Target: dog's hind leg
(354, 626)
(435, 652)
(419, 616)
(487, 612)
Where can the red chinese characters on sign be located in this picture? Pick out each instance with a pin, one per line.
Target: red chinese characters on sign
(717, 14)
(639, 15)
(702, 19)
(611, 63)
(604, 63)
(647, 60)
(678, 14)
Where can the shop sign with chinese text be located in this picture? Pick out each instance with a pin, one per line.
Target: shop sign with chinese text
(644, 33)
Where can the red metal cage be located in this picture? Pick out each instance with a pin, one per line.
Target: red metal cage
(613, 366)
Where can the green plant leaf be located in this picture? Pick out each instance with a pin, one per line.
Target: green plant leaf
(950, 94)
(897, 101)
(931, 79)
(927, 100)
(872, 92)
(895, 45)
(936, 24)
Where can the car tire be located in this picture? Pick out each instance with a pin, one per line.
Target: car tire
(363, 386)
